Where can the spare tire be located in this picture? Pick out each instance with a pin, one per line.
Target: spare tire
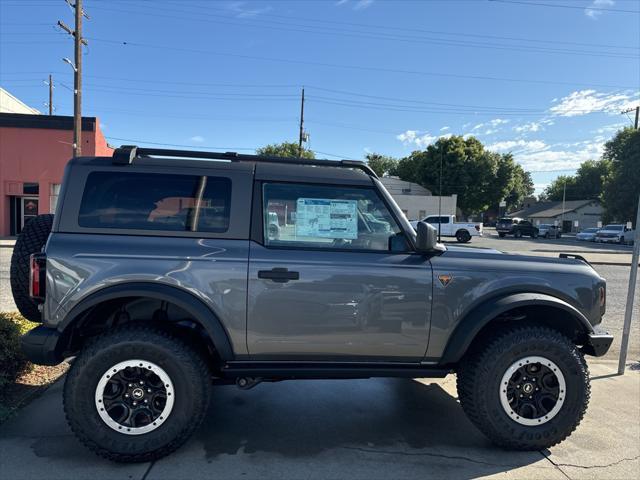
(33, 237)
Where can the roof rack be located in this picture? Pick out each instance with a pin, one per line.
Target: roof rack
(126, 154)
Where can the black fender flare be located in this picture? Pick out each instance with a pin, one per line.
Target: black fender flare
(200, 311)
(467, 329)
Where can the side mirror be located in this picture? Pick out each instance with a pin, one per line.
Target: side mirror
(427, 237)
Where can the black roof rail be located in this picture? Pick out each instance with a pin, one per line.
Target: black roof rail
(126, 154)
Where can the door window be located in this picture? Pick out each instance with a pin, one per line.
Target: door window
(315, 216)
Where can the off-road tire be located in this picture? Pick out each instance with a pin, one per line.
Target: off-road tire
(480, 374)
(31, 240)
(463, 236)
(186, 368)
(534, 234)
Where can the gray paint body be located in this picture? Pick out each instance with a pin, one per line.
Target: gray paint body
(346, 305)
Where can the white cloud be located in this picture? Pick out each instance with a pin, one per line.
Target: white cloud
(197, 139)
(446, 135)
(445, 128)
(593, 12)
(518, 146)
(559, 159)
(584, 102)
(614, 127)
(362, 4)
(533, 126)
(358, 5)
(492, 126)
(417, 138)
(242, 10)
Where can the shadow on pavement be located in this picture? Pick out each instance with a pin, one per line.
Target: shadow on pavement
(384, 417)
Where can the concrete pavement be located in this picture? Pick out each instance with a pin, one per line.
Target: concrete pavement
(378, 428)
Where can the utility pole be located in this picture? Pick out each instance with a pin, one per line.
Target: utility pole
(637, 110)
(440, 200)
(564, 195)
(50, 104)
(301, 136)
(633, 278)
(77, 73)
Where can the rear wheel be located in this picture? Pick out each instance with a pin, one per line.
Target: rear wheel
(31, 240)
(527, 389)
(534, 234)
(136, 394)
(518, 234)
(463, 236)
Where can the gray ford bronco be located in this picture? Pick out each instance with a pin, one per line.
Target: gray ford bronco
(165, 272)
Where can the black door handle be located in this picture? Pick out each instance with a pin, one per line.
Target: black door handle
(279, 275)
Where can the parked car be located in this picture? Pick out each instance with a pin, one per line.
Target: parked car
(587, 235)
(629, 237)
(516, 227)
(156, 314)
(548, 230)
(613, 233)
(450, 228)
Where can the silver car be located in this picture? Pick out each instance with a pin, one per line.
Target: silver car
(587, 235)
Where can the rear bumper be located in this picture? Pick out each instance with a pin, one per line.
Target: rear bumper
(598, 343)
(42, 346)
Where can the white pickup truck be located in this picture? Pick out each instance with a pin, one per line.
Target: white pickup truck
(450, 228)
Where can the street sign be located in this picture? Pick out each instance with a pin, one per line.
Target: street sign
(599, 224)
(576, 223)
(629, 225)
(503, 203)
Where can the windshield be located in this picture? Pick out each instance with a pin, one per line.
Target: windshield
(545, 225)
(613, 227)
(590, 230)
(505, 220)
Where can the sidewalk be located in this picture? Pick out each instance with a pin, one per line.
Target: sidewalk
(369, 429)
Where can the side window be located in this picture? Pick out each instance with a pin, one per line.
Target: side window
(432, 220)
(525, 223)
(444, 220)
(316, 216)
(152, 201)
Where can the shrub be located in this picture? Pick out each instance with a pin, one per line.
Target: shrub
(12, 361)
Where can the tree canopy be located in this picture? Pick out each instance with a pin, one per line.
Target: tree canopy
(480, 178)
(382, 164)
(586, 184)
(284, 149)
(622, 185)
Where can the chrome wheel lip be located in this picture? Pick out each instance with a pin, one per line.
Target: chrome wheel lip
(504, 399)
(134, 363)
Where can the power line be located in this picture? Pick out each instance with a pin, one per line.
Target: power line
(557, 5)
(125, 43)
(292, 27)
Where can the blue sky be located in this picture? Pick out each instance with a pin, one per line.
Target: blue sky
(545, 79)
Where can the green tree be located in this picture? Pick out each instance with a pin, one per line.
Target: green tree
(284, 149)
(586, 184)
(382, 164)
(480, 178)
(622, 186)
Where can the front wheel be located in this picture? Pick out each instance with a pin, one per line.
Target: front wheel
(527, 389)
(518, 234)
(136, 394)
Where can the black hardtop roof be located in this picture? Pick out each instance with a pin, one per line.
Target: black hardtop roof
(265, 167)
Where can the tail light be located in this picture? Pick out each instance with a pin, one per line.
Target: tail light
(477, 227)
(37, 275)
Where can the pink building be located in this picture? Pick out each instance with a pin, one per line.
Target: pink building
(34, 150)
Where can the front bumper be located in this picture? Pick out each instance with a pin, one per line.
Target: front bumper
(42, 346)
(597, 343)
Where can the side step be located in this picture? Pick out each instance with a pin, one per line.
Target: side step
(329, 370)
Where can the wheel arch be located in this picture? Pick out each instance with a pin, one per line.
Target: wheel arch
(515, 307)
(199, 311)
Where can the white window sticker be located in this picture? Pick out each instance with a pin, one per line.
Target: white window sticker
(327, 218)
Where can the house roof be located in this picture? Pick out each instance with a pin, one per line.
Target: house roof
(550, 209)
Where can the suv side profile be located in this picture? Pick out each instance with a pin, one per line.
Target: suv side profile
(163, 274)
(516, 227)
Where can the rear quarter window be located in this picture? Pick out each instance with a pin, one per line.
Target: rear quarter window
(154, 201)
